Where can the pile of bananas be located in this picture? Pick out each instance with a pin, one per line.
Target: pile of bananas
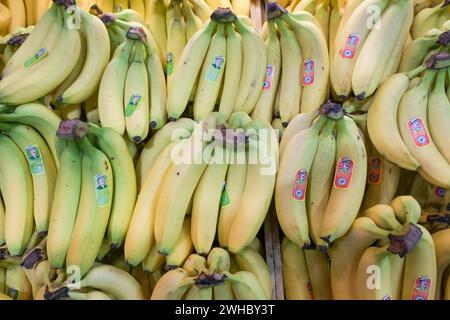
(220, 276)
(16, 14)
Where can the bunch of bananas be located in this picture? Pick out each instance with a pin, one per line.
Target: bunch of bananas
(220, 276)
(367, 50)
(20, 13)
(415, 117)
(297, 66)
(322, 176)
(228, 57)
(222, 187)
(75, 54)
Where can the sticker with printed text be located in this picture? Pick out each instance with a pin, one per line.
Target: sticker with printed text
(169, 61)
(270, 71)
(375, 170)
(214, 69)
(13, 293)
(421, 288)
(132, 105)
(101, 190)
(225, 199)
(351, 44)
(308, 72)
(344, 172)
(387, 297)
(35, 161)
(300, 184)
(41, 54)
(418, 132)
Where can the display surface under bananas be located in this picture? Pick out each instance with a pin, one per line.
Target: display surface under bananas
(149, 138)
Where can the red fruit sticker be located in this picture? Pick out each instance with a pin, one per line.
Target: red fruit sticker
(270, 71)
(351, 44)
(344, 172)
(375, 170)
(418, 132)
(300, 184)
(439, 192)
(421, 288)
(308, 72)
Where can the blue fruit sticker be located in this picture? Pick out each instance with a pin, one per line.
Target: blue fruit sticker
(101, 190)
(34, 159)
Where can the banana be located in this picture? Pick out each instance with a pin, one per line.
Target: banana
(155, 16)
(250, 260)
(241, 7)
(90, 107)
(425, 20)
(120, 5)
(97, 189)
(192, 22)
(382, 122)
(414, 129)
(384, 217)
(231, 195)
(125, 191)
(441, 240)
(184, 173)
(202, 9)
(438, 114)
(113, 281)
(17, 285)
(246, 286)
(195, 264)
(205, 205)
(349, 181)
(29, 9)
(16, 180)
(176, 42)
(290, 90)
(2, 225)
(420, 273)
(374, 59)
(42, 119)
(153, 261)
(196, 293)
(373, 275)
(406, 209)
(344, 261)
(140, 236)
(172, 285)
(182, 248)
(19, 18)
(174, 130)
(138, 6)
(5, 19)
(222, 291)
(322, 14)
(320, 180)
(259, 187)
(335, 18)
(32, 45)
(305, 5)
(232, 71)
(297, 285)
(298, 123)
(42, 168)
(351, 36)
(111, 91)
(14, 89)
(65, 205)
(137, 97)
(90, 295)
(319, 273)
(383, 178)
(292, 182)
(190, 64)
(264, 107)
(254, 63)
(97, 58)
(414, 53)
(211, 75)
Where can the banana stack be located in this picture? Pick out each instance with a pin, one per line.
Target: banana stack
(74, 52)
(368, 45)
(322, 176)
(20, 14)
(132, 92)
(297, 70)
(415, 117)
(219, 276)
(229, 59)
(224, 182)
